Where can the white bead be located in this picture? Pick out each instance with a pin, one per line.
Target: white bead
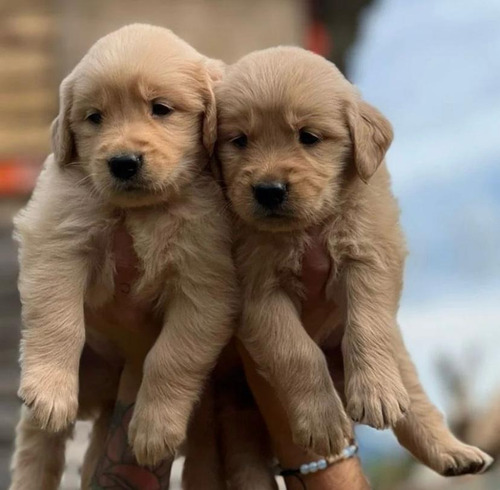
(322, 464)
(304, 469)
(349, 452)
(313, 467)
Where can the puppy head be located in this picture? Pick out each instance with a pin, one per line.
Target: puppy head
(290, 126)
(138, 115)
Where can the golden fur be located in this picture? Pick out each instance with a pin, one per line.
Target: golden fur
(338, 190)
(186, 284)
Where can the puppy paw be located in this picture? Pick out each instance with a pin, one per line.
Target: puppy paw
(457, 459)
(53, 402)
(321, 425)
(153, 434)
(376, 403)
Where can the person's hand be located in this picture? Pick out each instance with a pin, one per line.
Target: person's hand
(133, 333)
(316, 310)
(117, 468)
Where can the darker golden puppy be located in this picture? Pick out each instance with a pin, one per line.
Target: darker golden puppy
(302, 156)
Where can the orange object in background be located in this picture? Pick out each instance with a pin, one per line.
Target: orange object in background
(18, 176)
(318, 38)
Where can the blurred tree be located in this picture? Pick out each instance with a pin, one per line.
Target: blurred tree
(480, 427)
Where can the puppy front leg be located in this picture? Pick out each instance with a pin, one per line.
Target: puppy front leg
(374, 390)
(53, 336)
(195, 330)
(294, 365)
(38, 460)
(424, 432)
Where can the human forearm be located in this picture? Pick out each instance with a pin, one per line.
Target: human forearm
(346, 475)
(117, 466)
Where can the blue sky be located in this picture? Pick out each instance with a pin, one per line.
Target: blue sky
(433, 68)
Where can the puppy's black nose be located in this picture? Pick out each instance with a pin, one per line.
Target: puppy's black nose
(270, 195)
(124, 167)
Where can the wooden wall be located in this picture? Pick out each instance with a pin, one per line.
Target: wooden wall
(41, 40)
(27, 83)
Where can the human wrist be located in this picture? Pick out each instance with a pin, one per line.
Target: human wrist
(346, 475)
(321, 463)
(322, 472)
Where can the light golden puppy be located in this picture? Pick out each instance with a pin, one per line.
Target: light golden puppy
(137, 123)
(302, 156)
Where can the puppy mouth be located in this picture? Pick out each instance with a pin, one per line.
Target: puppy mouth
(273, 214)
(277, 220)
(135, 188)
(138, 186)
(130, 187)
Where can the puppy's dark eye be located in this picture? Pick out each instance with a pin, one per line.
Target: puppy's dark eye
(160, 110)
(94, 118)
(307, 138)
(240, 141)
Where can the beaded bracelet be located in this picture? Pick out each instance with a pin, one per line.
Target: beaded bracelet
(323, 463)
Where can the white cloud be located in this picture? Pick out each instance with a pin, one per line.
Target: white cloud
(463, 328)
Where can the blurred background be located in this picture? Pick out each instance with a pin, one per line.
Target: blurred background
(431, 66)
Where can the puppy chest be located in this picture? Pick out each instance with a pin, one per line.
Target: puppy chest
(123, 274)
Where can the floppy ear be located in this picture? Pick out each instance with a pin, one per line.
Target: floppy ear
(215, 70)
(63, 144)
(210, 123)
(371, 135)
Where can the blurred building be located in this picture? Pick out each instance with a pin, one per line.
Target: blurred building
(41, 40)
(27, 90)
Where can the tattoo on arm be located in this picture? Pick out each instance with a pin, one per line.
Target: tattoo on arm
(117, 468)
